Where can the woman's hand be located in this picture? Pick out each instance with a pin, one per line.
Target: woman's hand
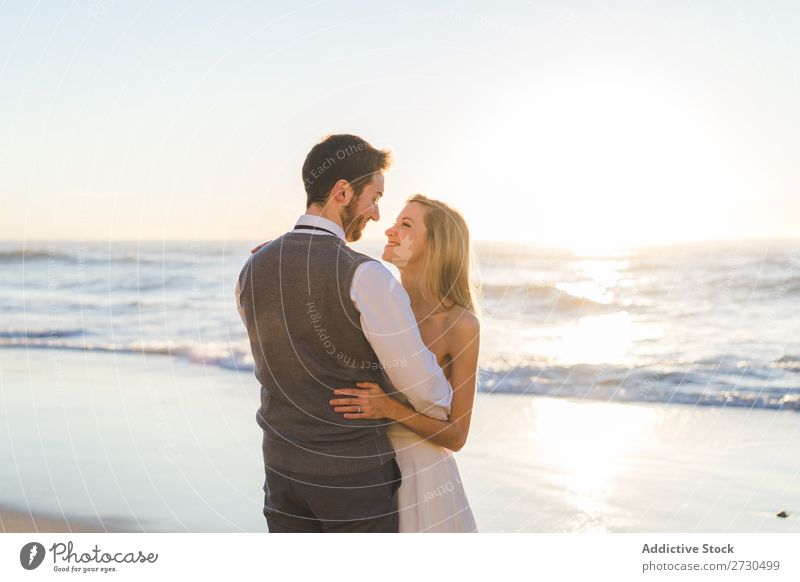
(370, 402)
(259, 247)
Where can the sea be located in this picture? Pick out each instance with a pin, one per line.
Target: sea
(700, 324)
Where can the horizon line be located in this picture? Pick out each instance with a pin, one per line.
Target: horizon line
(379, 239)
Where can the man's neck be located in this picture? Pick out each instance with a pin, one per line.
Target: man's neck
(327, 212)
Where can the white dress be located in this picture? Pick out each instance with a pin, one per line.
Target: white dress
(431, 497)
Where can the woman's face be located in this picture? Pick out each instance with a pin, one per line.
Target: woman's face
(408, 237)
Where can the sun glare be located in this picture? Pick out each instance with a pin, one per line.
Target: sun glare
(603, 164)
(588, 444)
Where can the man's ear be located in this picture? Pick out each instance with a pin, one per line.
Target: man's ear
(342, 192)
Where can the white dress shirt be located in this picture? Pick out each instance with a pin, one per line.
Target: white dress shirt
(391, 329)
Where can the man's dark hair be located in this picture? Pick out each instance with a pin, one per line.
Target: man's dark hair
(341, 157)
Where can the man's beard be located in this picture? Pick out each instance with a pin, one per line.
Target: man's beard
(353, 224)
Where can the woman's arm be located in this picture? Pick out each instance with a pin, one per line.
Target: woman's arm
(372, 402)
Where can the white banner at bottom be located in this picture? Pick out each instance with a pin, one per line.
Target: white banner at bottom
(386, 557)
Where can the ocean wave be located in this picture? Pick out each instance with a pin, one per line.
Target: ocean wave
(24, 336)
(537, 295)
(30, 255)
(788, 362)
(99, 256)
(222, 355)
(726, 380)
(691, 385)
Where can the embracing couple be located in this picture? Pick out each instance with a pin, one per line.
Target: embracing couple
(367, 384)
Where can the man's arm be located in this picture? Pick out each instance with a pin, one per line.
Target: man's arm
(391, 329)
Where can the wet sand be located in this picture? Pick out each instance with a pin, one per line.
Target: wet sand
(16, 520)
(155, 444)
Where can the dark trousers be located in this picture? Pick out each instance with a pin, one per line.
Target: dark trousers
(364, 502)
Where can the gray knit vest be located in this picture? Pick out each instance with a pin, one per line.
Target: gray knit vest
(306, 339)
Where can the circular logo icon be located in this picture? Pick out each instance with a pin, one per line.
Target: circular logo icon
(31, 555)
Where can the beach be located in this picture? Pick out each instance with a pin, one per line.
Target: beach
(13, 520)
(151, 443)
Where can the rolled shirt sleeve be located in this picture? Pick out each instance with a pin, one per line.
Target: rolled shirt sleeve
(391, 329)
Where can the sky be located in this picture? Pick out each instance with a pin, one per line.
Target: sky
(577, 124)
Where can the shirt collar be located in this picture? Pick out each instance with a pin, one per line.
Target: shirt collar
(321, 222)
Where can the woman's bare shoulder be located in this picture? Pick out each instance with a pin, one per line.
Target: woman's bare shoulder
(463, 323)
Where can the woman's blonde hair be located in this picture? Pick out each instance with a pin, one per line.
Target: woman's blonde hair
(447, 268)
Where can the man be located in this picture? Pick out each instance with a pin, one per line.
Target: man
(321, 316)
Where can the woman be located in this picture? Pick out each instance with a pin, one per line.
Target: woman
(429, 244)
